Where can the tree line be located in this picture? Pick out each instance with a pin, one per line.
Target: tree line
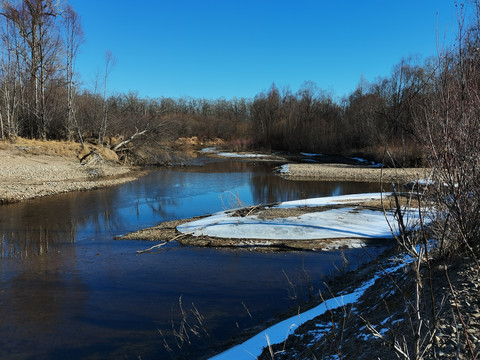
(41, 97)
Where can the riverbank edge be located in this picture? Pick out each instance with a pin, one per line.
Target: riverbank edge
(350, 172)
(31, 169)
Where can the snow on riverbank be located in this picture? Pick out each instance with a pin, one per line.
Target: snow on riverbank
(329, 224)
(344, 222)
(253, 347)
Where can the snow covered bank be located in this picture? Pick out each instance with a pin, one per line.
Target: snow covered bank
(328, 224)
(324, 223)
(234, 155)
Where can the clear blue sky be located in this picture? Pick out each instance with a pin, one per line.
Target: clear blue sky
(238, 48)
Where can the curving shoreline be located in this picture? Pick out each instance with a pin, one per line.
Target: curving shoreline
(26, 176)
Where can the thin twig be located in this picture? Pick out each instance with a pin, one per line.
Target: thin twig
(159, 245)
(151, 248)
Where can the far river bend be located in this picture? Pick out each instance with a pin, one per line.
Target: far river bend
(68, 291)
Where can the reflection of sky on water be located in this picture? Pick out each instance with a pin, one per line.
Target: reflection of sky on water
(62, 276)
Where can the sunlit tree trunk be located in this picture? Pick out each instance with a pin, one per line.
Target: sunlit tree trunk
(74, 37)
(109, 62)
(34, 22)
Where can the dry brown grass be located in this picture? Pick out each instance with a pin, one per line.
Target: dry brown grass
(196, 142)
(65, 149)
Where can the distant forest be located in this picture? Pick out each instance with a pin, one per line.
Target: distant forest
(40, 97)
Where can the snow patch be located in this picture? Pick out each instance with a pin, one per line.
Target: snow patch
(367, 162)
(283, 169)
(237, 155)
(213, 150)
(334, 200)
(336, 223)
(208, 150)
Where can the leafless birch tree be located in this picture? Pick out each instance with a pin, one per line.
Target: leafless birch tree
(34, 22)
(74, 37)
(109, 63)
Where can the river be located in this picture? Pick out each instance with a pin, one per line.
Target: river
(68, 290)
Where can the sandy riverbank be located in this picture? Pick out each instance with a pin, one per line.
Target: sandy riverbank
(31, 169)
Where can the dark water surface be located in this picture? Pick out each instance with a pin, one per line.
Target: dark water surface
(68, 291)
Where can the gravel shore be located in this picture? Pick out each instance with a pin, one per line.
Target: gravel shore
(26, 176)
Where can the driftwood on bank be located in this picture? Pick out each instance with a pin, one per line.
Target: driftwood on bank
(121, 144)
(84, 158)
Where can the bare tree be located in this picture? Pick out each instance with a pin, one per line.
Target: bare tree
(109, 63)
(73, 38)
(35, 23)
(11, 80)
(449, 121)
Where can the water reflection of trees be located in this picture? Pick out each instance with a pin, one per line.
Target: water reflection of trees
(32, 242)
(226, 166)
(34, 227)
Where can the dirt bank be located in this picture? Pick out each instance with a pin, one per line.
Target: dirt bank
(345, 172)
(30, 169)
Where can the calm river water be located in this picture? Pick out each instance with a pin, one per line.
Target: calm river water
(68, 291)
